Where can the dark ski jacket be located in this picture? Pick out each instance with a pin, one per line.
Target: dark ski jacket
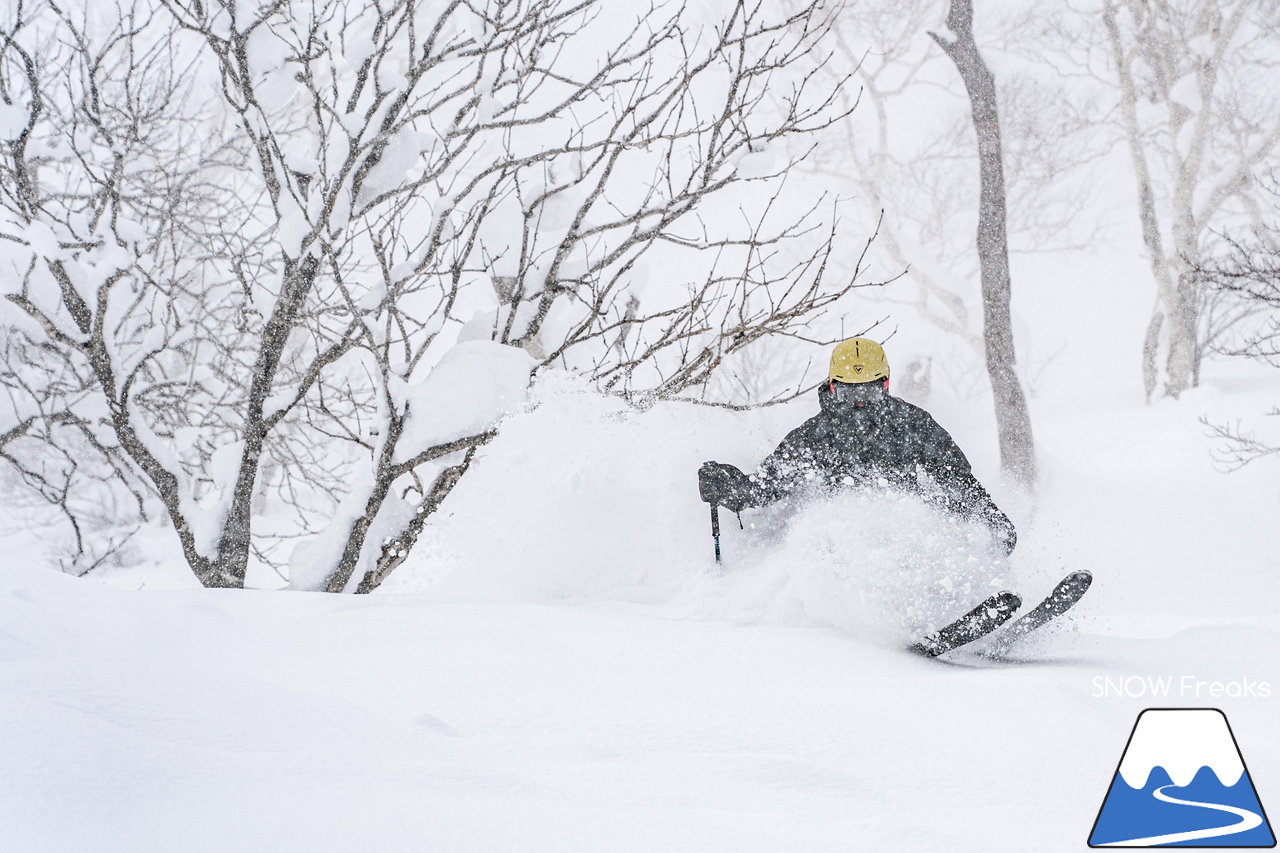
(887, 443)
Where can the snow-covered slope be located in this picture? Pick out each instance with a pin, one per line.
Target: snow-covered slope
(215, 721)
(562, 667)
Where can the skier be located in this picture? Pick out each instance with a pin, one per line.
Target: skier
(863, 436)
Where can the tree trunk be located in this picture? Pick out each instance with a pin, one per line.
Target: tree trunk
(1184, 330)
(1013, 421)
(397, 550)
(384, 476)
(232, 561)
(1180, 369)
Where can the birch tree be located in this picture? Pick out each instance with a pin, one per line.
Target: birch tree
(1013, 421)
(1200, 117)
(907, 155)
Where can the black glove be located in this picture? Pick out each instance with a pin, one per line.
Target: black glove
(724, 485)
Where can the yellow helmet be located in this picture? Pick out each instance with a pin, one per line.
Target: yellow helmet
(858, 360)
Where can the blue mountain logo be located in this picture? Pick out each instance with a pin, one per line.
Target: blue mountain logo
(1182, 783)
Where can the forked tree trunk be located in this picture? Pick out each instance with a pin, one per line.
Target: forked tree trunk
(1013, 421)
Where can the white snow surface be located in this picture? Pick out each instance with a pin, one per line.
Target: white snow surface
(561, 666)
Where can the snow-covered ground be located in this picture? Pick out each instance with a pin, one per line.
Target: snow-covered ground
(562, 667)
(223, 721)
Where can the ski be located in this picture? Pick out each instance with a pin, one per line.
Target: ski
(1064, 596)
(975, 624)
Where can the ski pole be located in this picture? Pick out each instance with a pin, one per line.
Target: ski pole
(715, 528)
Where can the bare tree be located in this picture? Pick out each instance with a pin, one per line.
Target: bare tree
(1013, 421)
(57, 476)
(920, 176)
(882, 42)
(1245, 275)
(1196, 82)
(390, 201)
(93, 149)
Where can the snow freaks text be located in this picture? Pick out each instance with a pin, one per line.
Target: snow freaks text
(1177, 687)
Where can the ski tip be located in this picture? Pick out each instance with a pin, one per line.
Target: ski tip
(1083, 577)
(1009, 598)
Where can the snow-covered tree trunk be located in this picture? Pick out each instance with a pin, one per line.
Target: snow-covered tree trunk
(1195, 143)
(1013, 420)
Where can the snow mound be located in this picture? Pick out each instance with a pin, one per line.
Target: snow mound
(475, 384)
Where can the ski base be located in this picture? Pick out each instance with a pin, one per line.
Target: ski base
(974, 625)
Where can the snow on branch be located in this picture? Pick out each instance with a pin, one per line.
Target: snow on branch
(306, 255)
